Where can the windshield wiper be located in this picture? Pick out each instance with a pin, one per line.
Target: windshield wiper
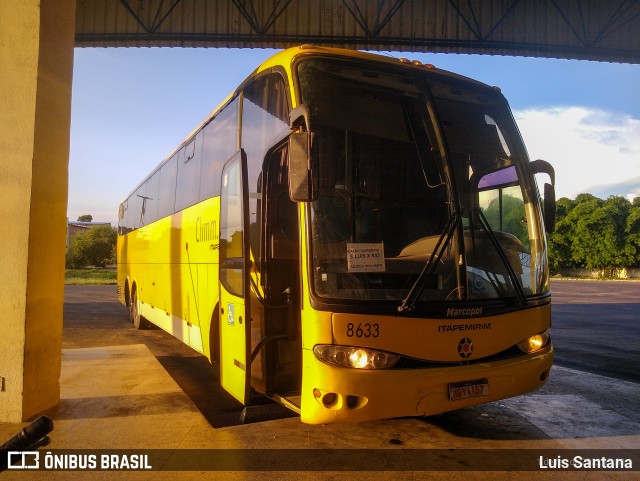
(421, 145)
(443, 241)
(494, 240)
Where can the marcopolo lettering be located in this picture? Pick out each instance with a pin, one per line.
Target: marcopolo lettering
(465, 312)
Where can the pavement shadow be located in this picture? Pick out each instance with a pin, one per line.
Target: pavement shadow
(199, 380)
(487, 422)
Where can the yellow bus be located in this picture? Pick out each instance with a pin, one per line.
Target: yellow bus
(355, 236)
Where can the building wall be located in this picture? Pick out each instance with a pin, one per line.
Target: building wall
(36, 54)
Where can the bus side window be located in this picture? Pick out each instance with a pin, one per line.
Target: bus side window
(124, 223)
(151, 200)
(265, 120)
(136, 204)
(187, 184)
(288, 217)
(167, 187)
(232, 255)
(283, 212)
(220, 143)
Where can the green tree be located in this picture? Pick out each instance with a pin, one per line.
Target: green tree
(632, 231)
(586, 223)
(94, 247)
(571, 242)
(512, 214)
(595, 234)
(583, 198)
(563, 207)
(561, 239)
(612, 246)
(85, 218)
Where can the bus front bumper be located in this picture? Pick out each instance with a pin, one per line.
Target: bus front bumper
(334, 394)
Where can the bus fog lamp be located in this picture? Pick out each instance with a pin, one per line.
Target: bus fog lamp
(355, 357)
(534, 343)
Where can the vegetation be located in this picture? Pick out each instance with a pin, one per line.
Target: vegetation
(596, 234)
(512, 210)
(85, 218)
(90, 276)
(95, 247)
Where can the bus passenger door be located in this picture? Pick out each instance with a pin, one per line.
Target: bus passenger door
(235, 320)
(281, 358)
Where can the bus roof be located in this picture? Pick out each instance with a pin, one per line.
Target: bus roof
(285, 59)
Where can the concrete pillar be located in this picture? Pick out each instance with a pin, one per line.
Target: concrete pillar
(36, 67)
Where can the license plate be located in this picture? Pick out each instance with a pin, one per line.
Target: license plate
(464, 390)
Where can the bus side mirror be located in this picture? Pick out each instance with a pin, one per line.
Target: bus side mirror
(549, 204)
(302, 184)
(302, 174)
(549, 208)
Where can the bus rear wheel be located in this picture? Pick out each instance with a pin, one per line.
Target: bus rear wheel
(139, 322)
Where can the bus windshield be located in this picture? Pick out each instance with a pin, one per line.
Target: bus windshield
(423, 189)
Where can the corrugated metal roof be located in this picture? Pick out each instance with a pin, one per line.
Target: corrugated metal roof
(579, 29)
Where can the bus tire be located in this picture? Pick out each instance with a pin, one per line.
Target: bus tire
(139, 322)
(214, 337)
(127, 295)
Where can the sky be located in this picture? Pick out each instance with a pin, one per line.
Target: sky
(132, 106)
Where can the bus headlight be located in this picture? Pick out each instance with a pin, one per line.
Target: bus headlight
(535, 343)
(356, 357)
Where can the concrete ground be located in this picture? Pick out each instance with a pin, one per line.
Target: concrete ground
(117, 394)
